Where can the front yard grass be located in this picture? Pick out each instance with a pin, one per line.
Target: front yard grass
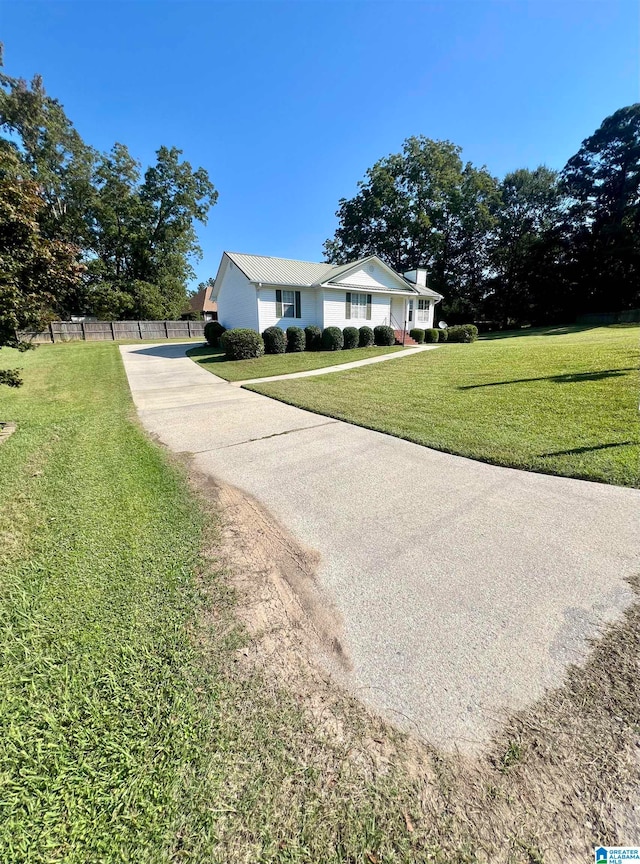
(214, 360)
(129, 732)
(559, 401)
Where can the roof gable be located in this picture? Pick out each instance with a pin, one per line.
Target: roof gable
(368, 273)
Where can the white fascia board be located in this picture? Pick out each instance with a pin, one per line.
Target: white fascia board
(361, 289)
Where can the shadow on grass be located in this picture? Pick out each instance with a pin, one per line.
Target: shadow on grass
(576, 450)
(569, 378)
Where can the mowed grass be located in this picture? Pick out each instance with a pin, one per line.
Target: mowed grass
(214, 360)
(99, 540)
(127, 733)
(559, 401)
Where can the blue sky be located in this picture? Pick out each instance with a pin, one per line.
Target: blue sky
(287, 104)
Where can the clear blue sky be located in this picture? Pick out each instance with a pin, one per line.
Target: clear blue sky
(287, 104)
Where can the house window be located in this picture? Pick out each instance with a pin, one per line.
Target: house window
(423, 311)
(358, 306)
(288, 304)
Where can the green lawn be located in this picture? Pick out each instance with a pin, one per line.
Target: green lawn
(213, 360)
(560, 401)
(128, 731)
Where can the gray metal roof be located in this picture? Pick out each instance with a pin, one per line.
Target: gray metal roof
(280, 271)
(286, 271)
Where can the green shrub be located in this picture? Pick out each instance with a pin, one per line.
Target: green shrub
(350, 337)
(431, 335)
(313, 337)
(417, 334)
(296, 340)
(384, 335)
(443, 335)
(365, 337)
(332, 339)
(242, 344)
(462, 333)
(275, 342)
(213, 330)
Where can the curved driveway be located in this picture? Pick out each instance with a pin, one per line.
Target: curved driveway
(465, 588)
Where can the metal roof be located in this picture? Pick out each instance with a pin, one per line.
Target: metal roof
(286, 271)
(280, 271)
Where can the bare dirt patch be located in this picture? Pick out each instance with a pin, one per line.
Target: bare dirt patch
(560, 778)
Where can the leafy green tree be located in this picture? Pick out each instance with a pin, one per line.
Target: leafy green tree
(423, 207)
(52, 151)
(525, 251)
(33, 267)
(142, 234)
(602, 185)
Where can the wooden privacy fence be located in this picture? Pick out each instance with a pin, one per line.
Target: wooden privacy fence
(108, 331)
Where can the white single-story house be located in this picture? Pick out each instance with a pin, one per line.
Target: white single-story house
(257, 292)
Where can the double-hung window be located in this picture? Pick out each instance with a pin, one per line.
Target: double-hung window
(358, 306)
(288, 304)
(423, 310)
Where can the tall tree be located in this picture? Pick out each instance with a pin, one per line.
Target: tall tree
(52, 151)
(33, 267)
(602, 184)
(525, 250)
(423, 207)
(142, 234)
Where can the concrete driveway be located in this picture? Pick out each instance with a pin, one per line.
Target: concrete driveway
(465, 588)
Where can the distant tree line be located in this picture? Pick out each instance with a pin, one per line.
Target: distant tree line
(88, 232)
(537, 246)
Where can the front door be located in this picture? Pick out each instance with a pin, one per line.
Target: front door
(409, 314)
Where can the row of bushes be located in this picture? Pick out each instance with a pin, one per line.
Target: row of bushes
(242, 344)
(458, 333)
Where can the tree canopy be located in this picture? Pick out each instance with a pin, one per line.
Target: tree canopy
(532, 247)
(131, 234)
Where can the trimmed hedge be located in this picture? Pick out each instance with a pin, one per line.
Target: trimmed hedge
(431, 335)
(417, 334)
(332, 339)
(443, 335)
(296, 340)
(462, 333)
(350, 338)
(313, 337)
(384, 335)
(242, 344)
(275, 342)
(365, 337)
(213, 330)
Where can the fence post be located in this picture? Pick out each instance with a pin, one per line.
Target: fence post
(140, 329)
(84, 334)
(189, 328)
(113, 332)
(53, 337)
(166, 330)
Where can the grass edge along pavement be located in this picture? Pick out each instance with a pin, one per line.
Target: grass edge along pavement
(214, 361)
(127, 733)
(557, 401)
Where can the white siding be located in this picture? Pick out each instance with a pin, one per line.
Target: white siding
(237, 304)
(335, 310)
(267, 309)
(371, 275)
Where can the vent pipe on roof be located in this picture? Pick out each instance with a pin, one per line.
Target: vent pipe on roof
(418, 277)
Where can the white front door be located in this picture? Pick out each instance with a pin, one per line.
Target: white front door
(409, 316)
